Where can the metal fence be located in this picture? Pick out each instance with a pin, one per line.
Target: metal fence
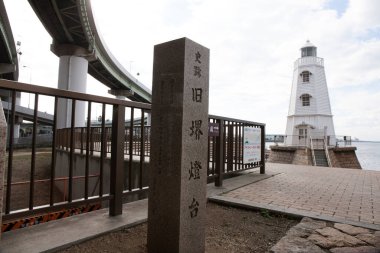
(122, 152)
(225, 148)
(304, 140)
(137, 142)
(117, 187)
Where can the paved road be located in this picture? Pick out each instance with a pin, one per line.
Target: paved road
(336, 193)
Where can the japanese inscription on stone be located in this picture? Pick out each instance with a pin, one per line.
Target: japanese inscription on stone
(177, 186)
(196, 131)
(194, 208)
(194, 170)
(197, 95)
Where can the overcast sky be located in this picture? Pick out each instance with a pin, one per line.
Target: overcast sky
(253, 46)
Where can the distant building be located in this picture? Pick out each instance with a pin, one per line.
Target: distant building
(309, 113)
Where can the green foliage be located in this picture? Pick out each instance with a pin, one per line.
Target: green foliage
(265, 213)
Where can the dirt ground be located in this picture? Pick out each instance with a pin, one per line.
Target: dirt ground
(21, 177)
(228, 230)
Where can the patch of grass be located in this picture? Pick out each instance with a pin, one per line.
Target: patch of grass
(265, 213)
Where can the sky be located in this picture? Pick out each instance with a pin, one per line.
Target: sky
(253, 45)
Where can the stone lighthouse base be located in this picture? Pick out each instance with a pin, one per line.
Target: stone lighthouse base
(341, 157)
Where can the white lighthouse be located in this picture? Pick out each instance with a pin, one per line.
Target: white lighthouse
(309, 115)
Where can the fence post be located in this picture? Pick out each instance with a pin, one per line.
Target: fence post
(219, 156)
(262, 167)
(117, 161)
(230, 147)
(3, 138)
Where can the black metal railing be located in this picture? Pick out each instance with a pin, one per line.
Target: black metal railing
(133, 142)
(100, 164)
(72, 179)
(226, 149)
(304, 140)
(138, 144)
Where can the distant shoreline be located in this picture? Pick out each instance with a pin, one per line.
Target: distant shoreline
(364, 141)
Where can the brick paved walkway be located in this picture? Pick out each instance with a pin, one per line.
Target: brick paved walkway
(341, 194)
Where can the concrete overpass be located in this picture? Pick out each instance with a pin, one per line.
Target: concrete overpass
(72, 26)
(28, 114)
(8, 52)
(81, 50)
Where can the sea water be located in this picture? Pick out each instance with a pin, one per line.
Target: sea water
(368, 154)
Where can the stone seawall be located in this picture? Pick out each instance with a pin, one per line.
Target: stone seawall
(302, 156)
(344, 157)
(341, 157)
(280, 154)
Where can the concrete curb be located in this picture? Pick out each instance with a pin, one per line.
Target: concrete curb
(234, 183)
(228, 201)
(60, 234)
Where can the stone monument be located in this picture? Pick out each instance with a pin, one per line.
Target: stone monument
(3, 139)
(178, 176)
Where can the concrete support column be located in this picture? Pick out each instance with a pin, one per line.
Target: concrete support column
(10, 68)
(121, 97)
(121, 94)
(17, 126)
(6, 96)
(73, 77)
(149, 119)
(3, 138)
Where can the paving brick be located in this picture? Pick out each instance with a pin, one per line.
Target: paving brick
(348, 194)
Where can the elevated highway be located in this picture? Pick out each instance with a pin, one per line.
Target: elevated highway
(28, 114)
(8, 52)
(72, 26)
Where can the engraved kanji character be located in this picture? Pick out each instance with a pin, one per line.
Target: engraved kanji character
(197, 71)
(198, 57)
(194, 170)
(196, 129)
(197, 95)
(194, 208)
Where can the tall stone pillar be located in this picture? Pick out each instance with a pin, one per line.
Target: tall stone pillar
(3, 139)
(178, 175)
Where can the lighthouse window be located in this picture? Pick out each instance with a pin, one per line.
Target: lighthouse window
(305, 76)
(305, 98)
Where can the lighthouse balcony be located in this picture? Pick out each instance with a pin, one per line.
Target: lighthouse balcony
(309, 60)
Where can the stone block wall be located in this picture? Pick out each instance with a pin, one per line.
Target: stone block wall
(3, 139)
(340, 157)
(344, 157)
(302, 156)
(280, 154)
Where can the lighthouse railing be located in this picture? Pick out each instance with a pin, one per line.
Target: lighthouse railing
(310, 60)
(312, 150)
(327, 152)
